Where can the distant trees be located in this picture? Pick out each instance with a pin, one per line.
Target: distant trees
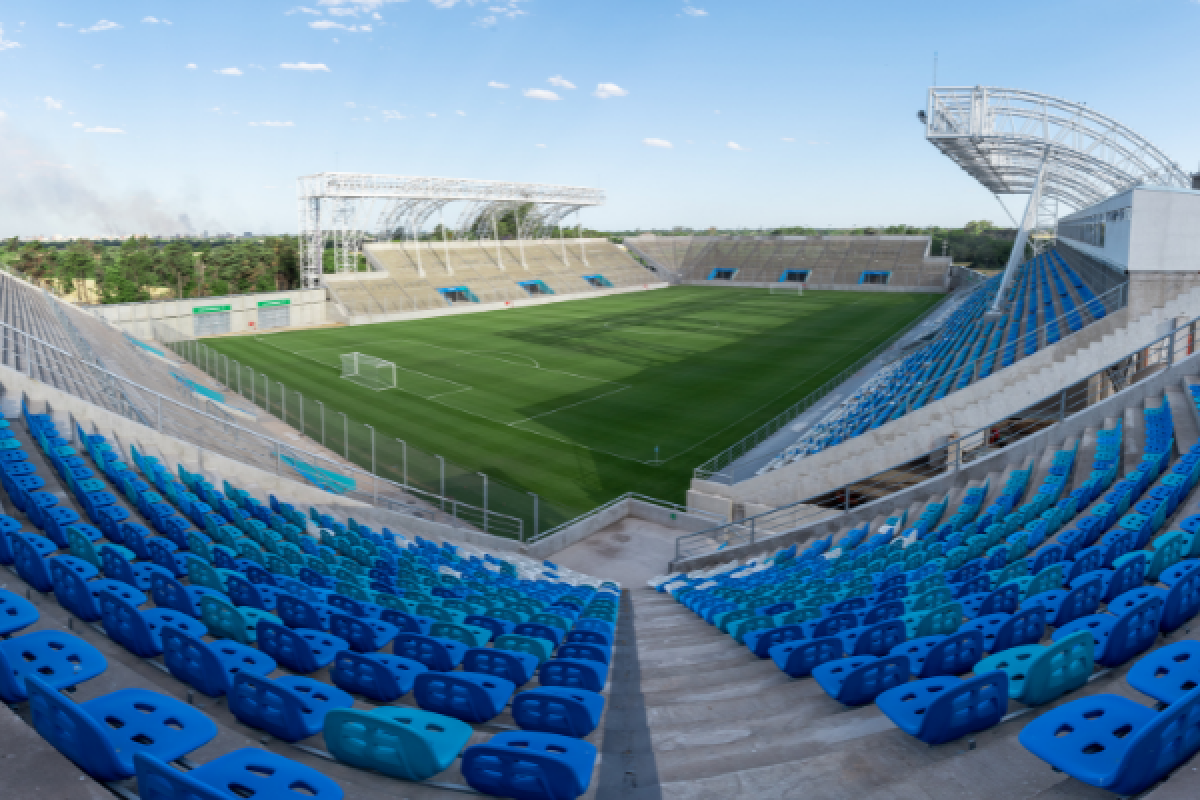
(140, 268)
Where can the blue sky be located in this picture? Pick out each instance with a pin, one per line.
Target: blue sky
(776, 113)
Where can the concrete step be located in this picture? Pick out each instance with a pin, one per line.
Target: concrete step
(1183, 415)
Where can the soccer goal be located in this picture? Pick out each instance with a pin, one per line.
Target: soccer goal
(369, 371)
(796, 289)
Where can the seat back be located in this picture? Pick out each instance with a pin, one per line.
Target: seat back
(1061, 667)
(192, 661)
(878, 639)
(82, 547)
(357, 633)
(1168, 550)
(244, 593)
(560, 766)
(965, 707)
(469, 696)
(1129, 572)
(1084, 599)
(512, 666)
(201, 573)
(297, 613)
(941, 620)
(1171, 738)
(223, 619)
(1023, 627)
(288, 648)
(406, 743)
(867, 682)
(954, 655)
(264, 704)
(798, 659)
(29, 563)
(427, 650)
(1183, 601)
(126, 626)
(73, 733)
(1002, 601)
(72, 592)
(362, 674)
(1135, 631)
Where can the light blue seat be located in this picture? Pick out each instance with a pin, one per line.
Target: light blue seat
(1130, 630)
(102, 735)
(1039, 674)
(405, 743)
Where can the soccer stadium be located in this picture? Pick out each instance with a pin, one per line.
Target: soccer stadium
(487, 504)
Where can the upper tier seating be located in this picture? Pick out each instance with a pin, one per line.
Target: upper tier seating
(1047, 301)
(212, 580)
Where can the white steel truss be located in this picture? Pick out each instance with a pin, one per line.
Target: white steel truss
(346, 208)
(1058, 152)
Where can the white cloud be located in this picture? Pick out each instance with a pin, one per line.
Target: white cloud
(392, 115)
(487, 22)
(190, 66)
(351, 105)
(65, 25)
(607, 90)
(272, 124)
(304, 66)
(364, 6)
(327, 24)
(461, 113)
(560, 82)
(52, 104)
(431, 114)
(344, 12)
(651, 142)
(216, 109)
(541, 94)
(76, 124)
(156, 21)
(228, 71)
(97, 66)
(497, 85)
(99, 129)
(541, 146)
(4, 44)
(102, 25)
(788, 139)
(735, 146)
(692, 11)
(302, 10)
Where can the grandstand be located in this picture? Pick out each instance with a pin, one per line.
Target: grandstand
(408, 277)
(875, 263)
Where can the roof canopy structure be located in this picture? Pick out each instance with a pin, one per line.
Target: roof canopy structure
(1000, 136)
(347, 207)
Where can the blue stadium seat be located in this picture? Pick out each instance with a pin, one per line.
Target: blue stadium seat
(58, 659)
(249, 772)
(469, 696)
(102, 735)
(140, 632)
(377, 676)
(519, 668)
(569, 712)
(363, 635)
(942, 709)
(573, 673)
(209, 667)
(290, 707)
(858, 680)
(405, 743)
(299, 650)
(531, 766)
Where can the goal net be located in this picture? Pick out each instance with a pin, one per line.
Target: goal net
(795, 289)
(369, 371)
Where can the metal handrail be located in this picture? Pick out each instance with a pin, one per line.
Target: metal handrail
(1118, 296)
(674, 507)
(948, 457)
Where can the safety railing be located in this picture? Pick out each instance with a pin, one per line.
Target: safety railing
(1121, 373)
(1087, 311)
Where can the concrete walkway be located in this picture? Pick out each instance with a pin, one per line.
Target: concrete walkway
(630, 551)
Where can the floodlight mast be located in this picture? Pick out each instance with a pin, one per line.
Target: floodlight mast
(1018, 142)
(348, 207)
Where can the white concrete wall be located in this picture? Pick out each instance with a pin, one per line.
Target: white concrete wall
(1163, 234)
(308, 308)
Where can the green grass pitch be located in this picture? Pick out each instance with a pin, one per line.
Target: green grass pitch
(582, 401)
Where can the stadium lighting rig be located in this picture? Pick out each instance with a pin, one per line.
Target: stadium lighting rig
(347, 207)
(1019, 142)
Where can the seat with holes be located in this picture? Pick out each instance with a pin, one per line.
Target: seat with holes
(170, 593)
(532, 766)
(209, 667)
(798, 659)
(434, 652)
(59, 659)
(1168, 673)
(549, 709)
(15, 612)
(858, 680)
(1129, 630)
(102, 735)
(376, 676)
(940, 710)
(299, 650)
(405, 743)
(469, 696)
(516, 667)
(290, 707)
(574, 673)
(227, 621)
(298, 612)
(82, 598)
(249, 772)
(1038, 674)
(363, 635)
(140, 632)
(1115, 743)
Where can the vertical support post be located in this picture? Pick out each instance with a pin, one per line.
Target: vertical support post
(562, 242)
(520, 241)
(535, 518)
(496, 233)
(485, 501)
(579, 233)
(1062, 405)
(445, 240)
(1018, 252)
(1171, 341)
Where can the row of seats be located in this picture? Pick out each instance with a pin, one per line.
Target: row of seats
(942, 624)
(241, 592)
(969, 346)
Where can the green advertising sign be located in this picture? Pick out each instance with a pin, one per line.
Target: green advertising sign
(284, 302)
(210, 309)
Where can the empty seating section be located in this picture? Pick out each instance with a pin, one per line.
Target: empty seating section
(408, 276)
(972, 612)
(831, 261)
(387, 652)
(1047, 302)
